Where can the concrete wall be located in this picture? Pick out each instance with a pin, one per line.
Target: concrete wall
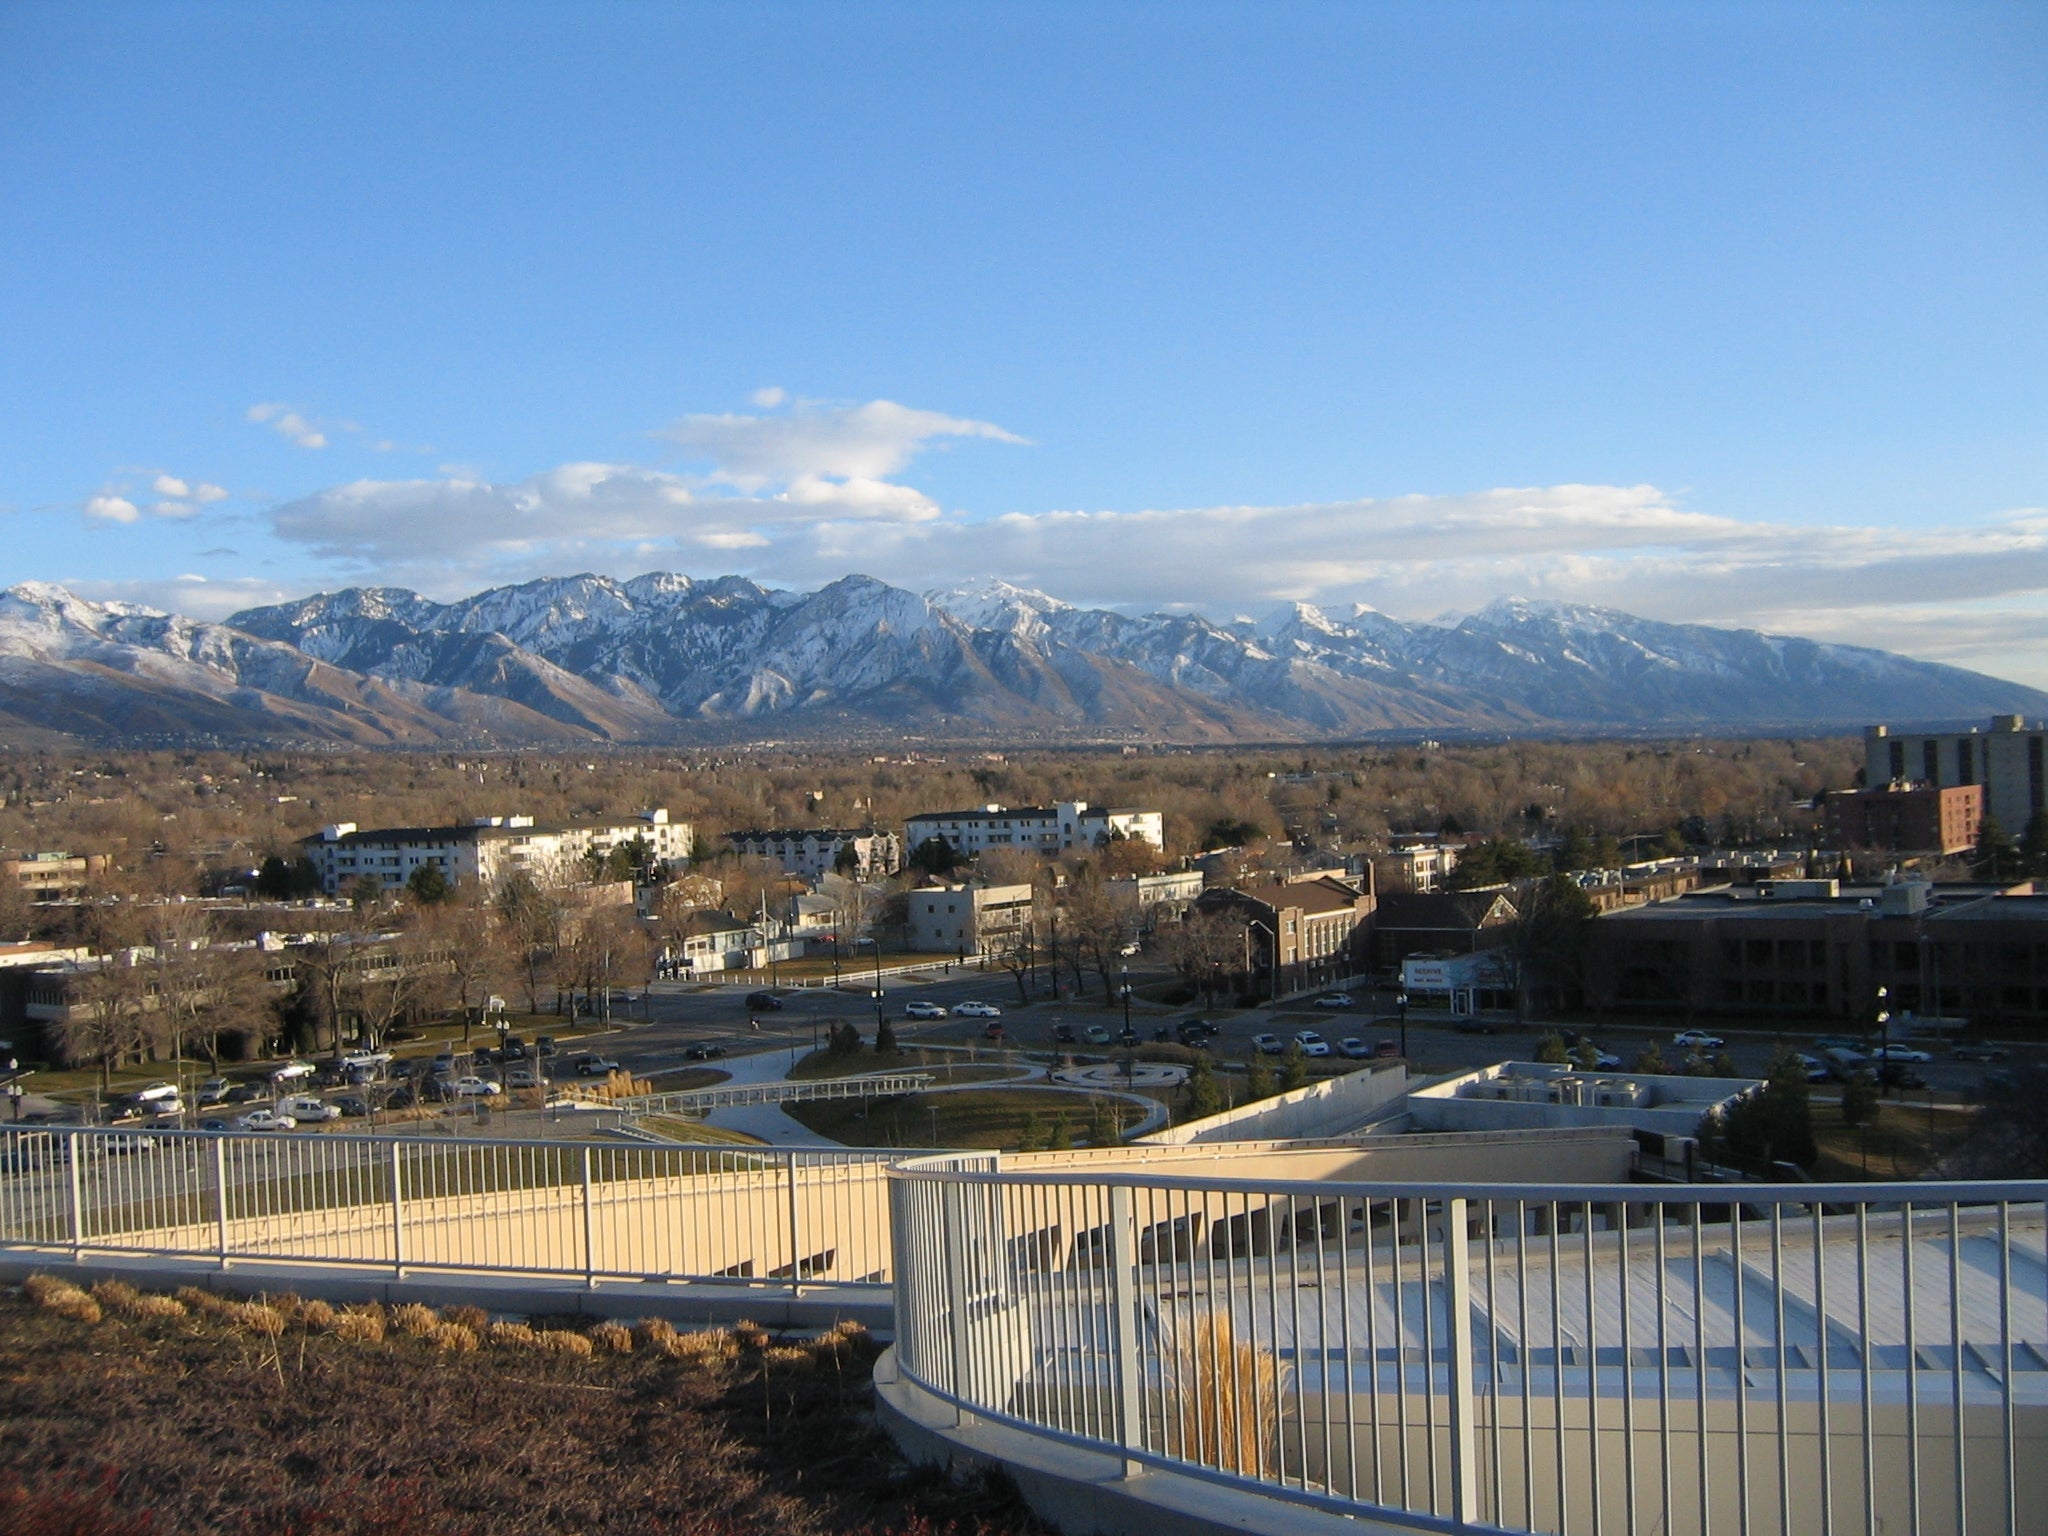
(1328, 1108)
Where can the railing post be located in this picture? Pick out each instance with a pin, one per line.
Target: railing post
(795, 1253)
(397, 1210)
(75, 1144)
(220, 1196)
(1123, 1313)
(1458, 1311)
(950, 1199)
(589, 1228)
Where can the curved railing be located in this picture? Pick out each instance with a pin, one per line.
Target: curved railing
(1605, 1358)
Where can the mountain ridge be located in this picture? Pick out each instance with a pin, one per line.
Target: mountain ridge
(667, 657)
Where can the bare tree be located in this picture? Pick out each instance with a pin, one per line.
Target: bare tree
(104, 1019)
(465, 935)
(1203, 947)
(531, 927)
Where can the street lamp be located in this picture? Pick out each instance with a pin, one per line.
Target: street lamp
(1401, 1002)
(1124, 973)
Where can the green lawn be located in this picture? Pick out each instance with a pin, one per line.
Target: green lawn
(994, 1118)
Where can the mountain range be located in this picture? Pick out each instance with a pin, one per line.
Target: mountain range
(670, 658)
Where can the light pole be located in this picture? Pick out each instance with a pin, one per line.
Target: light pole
(1401, 1002)
(1124, 974)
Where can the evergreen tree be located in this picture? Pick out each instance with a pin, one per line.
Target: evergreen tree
(1293, 1068)
(1258, 1080)
(1773, 1124)
(1061, 1137)
(1651, 1063)
(1860, 1105)
(429, 887)
(1205, 1098)
(1103, 1127)
(1995, 858)
(885, 1039)
(1550, 1050)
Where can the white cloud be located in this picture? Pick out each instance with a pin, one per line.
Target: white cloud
(767, 399)
(111, 509)
(170, 485)
(288, 424)
(194, 596)
(868, 441)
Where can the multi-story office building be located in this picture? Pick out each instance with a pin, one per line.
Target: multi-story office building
(487, 850)
(2007, 760)
(815, 851)
(1062, 828)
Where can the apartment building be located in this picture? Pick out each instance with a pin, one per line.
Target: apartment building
(967, 919)
(1904, 817)
(1300, 933)
(815, 851)
(487, 850)
(49, 875)
(1417, 866)
(1062, 828)
(2009, 760)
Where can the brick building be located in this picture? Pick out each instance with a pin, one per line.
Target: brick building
(2010, 761)
(1302, 933)
(1904, 818)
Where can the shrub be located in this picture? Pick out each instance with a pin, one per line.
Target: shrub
(363, 1324)
(562, 1342)
(412, 1318)
(317, 1317)
(512, 1336)
(256, 1317)
(475, 1319)
(749, 1335)
(614, 1338)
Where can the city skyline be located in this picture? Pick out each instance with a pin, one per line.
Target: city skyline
(1730, 319)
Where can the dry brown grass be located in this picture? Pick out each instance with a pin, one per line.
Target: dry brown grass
(454, 1338)
(475, 1319)
(613, 1338)
(317, 1317)
(62, 1298)
(709, 1346)
(257, 1317)
(1223, 1398)
(363, 1323)
(119, 1297)
(411, 1318)
(512, 1336)
(749, 1335)
(654, 1332)
(561, 1341)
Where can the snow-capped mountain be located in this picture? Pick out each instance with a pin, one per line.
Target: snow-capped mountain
(662, 656)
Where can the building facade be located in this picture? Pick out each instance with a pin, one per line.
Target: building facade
(2010, 761)
(815, 851)
(50, 875)
(1064, 828)
(1302, 934)
(1904, 817)
(487, 850)
(968, 919)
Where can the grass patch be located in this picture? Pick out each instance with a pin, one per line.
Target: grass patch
(516, 1429)
(683, 1129)
(1905, 1143)
(992, 1118)
(687, 1079)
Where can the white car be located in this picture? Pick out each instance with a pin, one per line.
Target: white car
(1353, 1048)
(473, 1088)
(1698, 1040)
(306, 1108)
(1899, 1053)
(924, 1010)
(1335, 1000)
(523, 1077)
(357, 1059)
(1266, 1045)
(1311, 1043)
(150, 1092)
(976, 1011)
(292, 1070)
(265, 1120)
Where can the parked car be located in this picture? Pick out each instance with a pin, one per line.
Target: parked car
(515, 1049)
(523, 1077)
(247, 1093)
(1388, 1049)
(1335, 1000)
(214, 1090)
(355, 1060)
(151, 1091)
(1816, 1069)
(921, 1009)
(445, 1062)
(404, 1096)
(1698, 1040)
(544, 1045)
(1844, 1063)
(1353, 1048)
(595, 1066)
(704, 1050)
(306, 1109)
(474, 1087)
(994, 1030)
(353, 1105)
(1895, 1052)
(292, 1071)
(1097, 1035)
(1978, 1051)
(1195, 1032)
(1267, 1045)
(1063, 1034)
(1899, 1074)
(976, 1011)
(265, 1120)
(763, 1002)
(1311, 1043)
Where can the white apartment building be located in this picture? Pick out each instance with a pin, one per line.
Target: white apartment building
(815, 851)
(1419, 866)
(486, 850)
(967, 919)
(1143, 892)
(1054, 829)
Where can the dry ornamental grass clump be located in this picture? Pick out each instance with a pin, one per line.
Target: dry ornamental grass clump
(613, 1338)
(454, 1338)
(475, 1319)
(317, 1317)
(1223, 1400)
(562, 1342)
(257, 1317)
(119, 1296)
(410, 1317)
(654, 1332)
(710, 1346)
(61, 1297)
(749, 1335)
(512, 1336)
(362, 1323)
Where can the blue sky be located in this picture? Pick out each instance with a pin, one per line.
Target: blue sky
(1732, 314)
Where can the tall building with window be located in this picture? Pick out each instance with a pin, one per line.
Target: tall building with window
(1062, 828)
(2010, 761)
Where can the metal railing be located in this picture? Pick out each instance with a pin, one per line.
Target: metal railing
(1575, 1359)
(727, 1096)
(773, 1217)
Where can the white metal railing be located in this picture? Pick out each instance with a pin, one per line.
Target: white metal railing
(727, 1096)
(1575, 1359)
(774, 1217)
